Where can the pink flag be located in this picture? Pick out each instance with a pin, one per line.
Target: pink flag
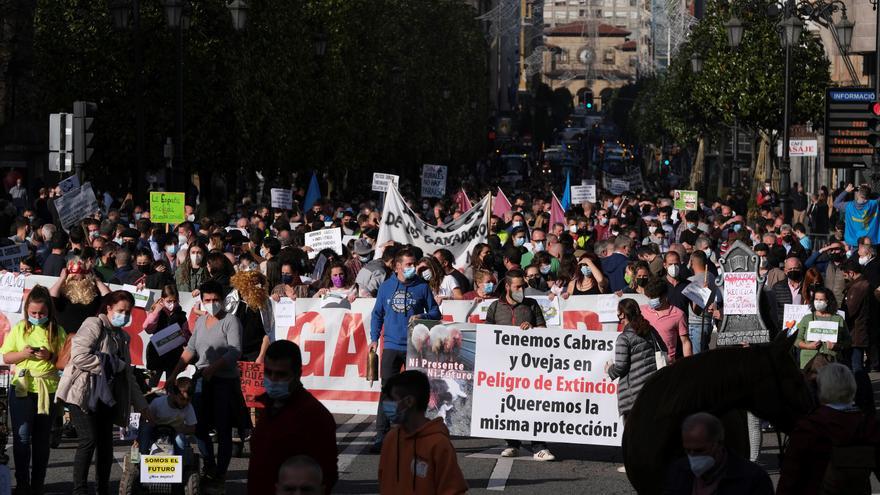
(501, 204)
(461, 199)
(557, 212)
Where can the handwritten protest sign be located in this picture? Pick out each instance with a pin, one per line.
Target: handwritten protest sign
(381, 181)
(76, 205)
(11, 256)
(740, 293)
(618, 186)
(544, 385)
(323, 239)
(251, 382)
(433, 181)
(282, 198)
(822, 331)
(583, 194)
(167, 207)
(168, 339)
(684, 200)
(792, 315)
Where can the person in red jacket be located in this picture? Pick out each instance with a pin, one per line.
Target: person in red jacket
(291, 423)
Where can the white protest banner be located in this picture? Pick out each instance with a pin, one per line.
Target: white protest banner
(168, 339)
(792, 315)
(822, 331)
(740, 293)
(618, 186)
(552, 313)
(141, 297)
(282, 198)
(76, 205)
(583, 194)
(161, 469)
(69, 184)
(433, 181)
(400, 224)
(323, 239)
(11, 279)
(381, 181)
(545, 385)
(10, 299)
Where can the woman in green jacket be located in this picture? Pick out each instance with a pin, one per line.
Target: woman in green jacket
(823, 308)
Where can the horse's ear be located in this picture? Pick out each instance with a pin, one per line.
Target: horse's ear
(783, 342)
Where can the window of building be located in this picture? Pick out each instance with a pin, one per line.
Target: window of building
(562, 56)
(622, 15)
(608, 14)
(560, 14)
(597, 13)
(633, 60)
(609, 56)
(582, 12)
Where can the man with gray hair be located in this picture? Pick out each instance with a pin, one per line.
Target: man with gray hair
(710, 467)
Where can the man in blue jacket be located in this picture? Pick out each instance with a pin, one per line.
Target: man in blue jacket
(400, 299)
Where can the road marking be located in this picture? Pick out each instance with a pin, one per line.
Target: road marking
(354, 449)
(343, 429)
(503, 466)
(358, 444)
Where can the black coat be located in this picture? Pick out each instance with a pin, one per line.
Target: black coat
(740, 477)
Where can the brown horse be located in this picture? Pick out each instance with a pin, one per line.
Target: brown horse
(725, 382)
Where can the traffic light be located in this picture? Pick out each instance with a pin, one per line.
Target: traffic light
(83, 118)
(666, 162)
(588, 105)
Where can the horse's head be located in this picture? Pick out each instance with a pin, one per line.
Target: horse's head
(781, 395)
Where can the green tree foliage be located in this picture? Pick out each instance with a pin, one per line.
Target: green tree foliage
(262, 99)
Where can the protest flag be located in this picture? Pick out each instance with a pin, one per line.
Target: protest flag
(461, 199)
(566, 194)
(313, 194)
(501, 204)
(557, 212)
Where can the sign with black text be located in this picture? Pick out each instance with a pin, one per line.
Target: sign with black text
(433, 181)
(846, 127)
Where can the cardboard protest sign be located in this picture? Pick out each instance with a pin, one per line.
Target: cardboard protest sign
(544, 384)
(433, 181)
(822, 331)
(583, 194)
(684, 200)
(618, 186)
(167, 207)
(445, 352)
(740, 293)
(251, 383)
(792, 314)
(11, 256)
(161, 469)
(323, 239)
(401, 224)
(168, 339)
(382, 181)
(76, 205)
(282, 198)
(69, 184)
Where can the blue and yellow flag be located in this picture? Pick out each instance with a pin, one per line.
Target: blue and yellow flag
(861, 220)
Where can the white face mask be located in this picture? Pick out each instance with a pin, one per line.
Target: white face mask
(518, 296)
(864, 260)
(212, 308)
(190, 218)
(820, 305)
(573, 228)
(426, 275)
(181, 239)
(196, 259)
(652, 229)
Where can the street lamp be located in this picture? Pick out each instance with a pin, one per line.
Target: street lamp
(844, 30)
(790, 32)
(320, 41)
(735, 30)
(173, 12)
(120, 12)
(696, 63)
(238, 9)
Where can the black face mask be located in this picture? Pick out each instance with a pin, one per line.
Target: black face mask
(488, 261)
(537, 283)
(145, 269)
(795, 275)
(642, 281)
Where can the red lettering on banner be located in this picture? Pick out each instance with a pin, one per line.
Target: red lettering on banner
(447, 318)
(314, 348)
(570, 320)
(134, 328)
(352, 329)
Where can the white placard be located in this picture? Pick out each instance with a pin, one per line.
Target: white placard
(161, 469)
(822, 331)
(583, 194)
(618, 186)
(348, 238)
(482, 308)
(698, 294)
(606, 307)
(76, 205)
(433, 181)
(324, 239)
(381, 181)
(285, 316)
(792, 314)
(282, 198)
(69, 184)
(141, 297)
(10, 299)
(11, 256)
(168, 339)
(740, 293)
(544, 384)
(552, 313)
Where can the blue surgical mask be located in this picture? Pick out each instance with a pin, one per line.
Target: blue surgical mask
(37, 321)
(519, 241)
(700, 464)
(691, 225)
(276, 390)
(539, 246)
(737, 227)
(171, 249)
(409, 273)
(654, 303)
(119, 320)
(489, 287)
(389, 408)
(585, 271)
(545, 269)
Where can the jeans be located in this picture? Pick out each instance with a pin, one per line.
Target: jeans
(858, 359)
(147, 435)
(699, 335)
(390, 366)
(215, 407)
(30, 439)
(94, 433)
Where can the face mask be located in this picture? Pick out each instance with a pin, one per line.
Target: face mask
(171, 249)
(654, 303)
(615, 232)
(767, 188)
(627, 278)
(861, 201)
(365, 259)
(118, 240)
(516, 224)
(389, 407)
(264, 253)
(94, 234)
(181, 239)
(426, 275)
(145, 269)
(212, 308)
(119, 320)
(691, 226)
(409, 273)
(573, 228)
(820, 305)
(642, 281)
(545, 269)
(585, 271)
(864, 260)
(517, 296)
(538, 246)
(276, 390)
(286, 278)
(672, 270)
(737, 227)
(535, 283)
(169, 305)
(519, 241)
(700, 463)
(190, 218)
(196, 259)
(489, 287)
(708, 253)
(794, 275)
(652, 229)
(137, 216)
(37, 321)
(603, 221)
(337, 280)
